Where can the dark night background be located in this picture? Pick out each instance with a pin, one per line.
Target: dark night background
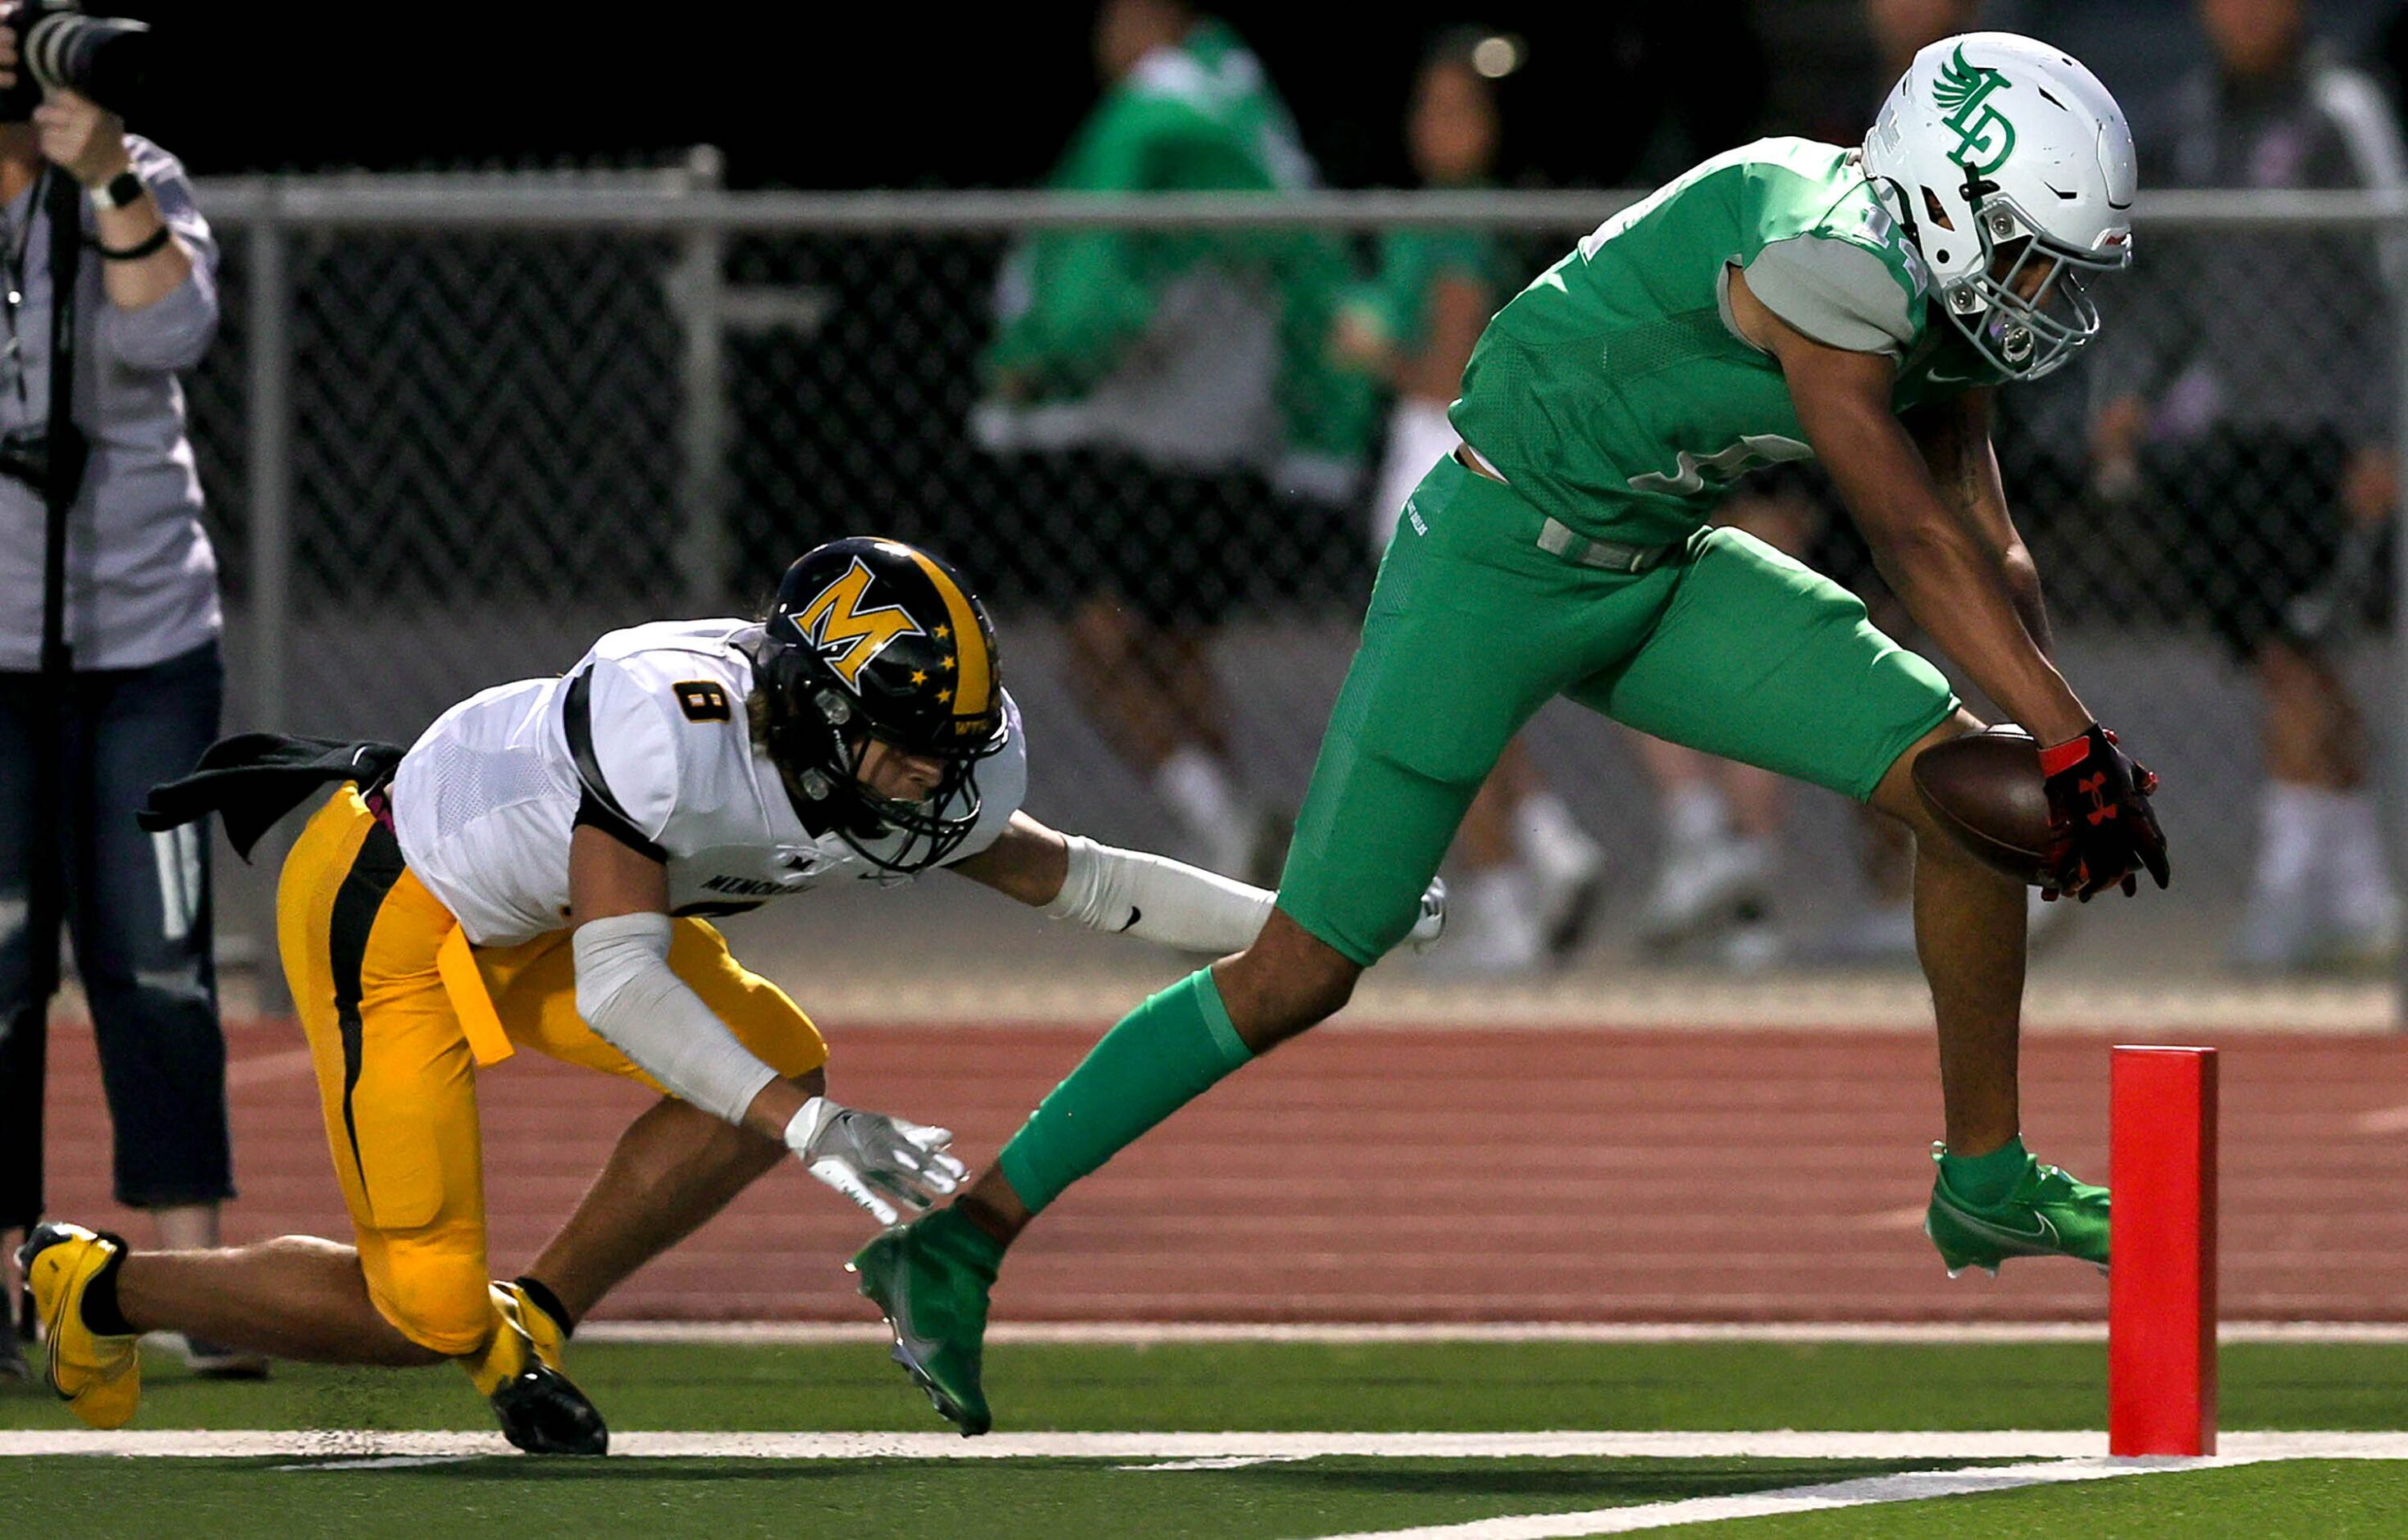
(828, 96)
(836, 96)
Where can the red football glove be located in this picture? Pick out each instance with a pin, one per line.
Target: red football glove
(2101, 828)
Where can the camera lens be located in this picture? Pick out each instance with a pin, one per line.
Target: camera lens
(106, 58)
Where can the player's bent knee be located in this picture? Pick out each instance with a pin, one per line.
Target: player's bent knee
(1287, 981)
(446, 1310)
(1896, 795)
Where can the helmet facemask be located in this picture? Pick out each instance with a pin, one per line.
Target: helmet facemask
(2012, 169)
(2026, 336)
(818, 737)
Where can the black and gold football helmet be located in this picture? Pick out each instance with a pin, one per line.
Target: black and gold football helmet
(872, 639)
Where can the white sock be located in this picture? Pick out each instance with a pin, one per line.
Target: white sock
(2291, 823)
(1197, 785)
(1495, 891)
(1545, 832)
(1501, 932)
(1221, 824)
(1693, 815)
(1759, 850)
(2359, 856)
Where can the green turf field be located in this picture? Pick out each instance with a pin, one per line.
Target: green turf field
(1275, 1485)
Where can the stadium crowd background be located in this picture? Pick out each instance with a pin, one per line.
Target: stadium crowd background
(413, 349)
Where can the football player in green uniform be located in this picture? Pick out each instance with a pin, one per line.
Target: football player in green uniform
(1784, 300)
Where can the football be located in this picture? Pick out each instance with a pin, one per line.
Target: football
(1984, 789)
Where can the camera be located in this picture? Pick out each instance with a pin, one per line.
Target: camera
(105, 58)
(25, 457)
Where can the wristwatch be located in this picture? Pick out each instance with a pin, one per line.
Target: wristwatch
(119, 190)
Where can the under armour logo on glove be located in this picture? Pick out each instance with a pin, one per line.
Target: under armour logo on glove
(2095, 788)
(2102, 848)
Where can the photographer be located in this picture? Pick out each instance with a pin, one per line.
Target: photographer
(109, 679)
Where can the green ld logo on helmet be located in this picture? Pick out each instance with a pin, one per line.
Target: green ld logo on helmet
(1984, 138)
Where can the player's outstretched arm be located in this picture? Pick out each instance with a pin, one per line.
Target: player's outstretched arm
(1953, 437)
(1132, 893)
(1950, 579)
(2092, 772)
(1124, 893)
(1953, 576)
(627, 992)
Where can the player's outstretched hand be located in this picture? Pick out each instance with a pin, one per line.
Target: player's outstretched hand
(887, 1165)
(2102, 829)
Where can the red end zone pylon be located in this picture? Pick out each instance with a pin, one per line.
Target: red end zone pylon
(2162, 1289)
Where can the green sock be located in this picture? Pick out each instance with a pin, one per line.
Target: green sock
(1987, 1178)
(1161, 1056)
(950, 1230)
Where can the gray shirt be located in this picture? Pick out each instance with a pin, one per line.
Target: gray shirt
(2263, 329)
(141, 577)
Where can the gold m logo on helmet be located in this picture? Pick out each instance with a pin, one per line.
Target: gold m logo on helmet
(847, 635)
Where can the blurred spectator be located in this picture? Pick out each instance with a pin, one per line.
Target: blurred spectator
(1179, 380)
(2254, 409)
(1532, 874)
(119, 688)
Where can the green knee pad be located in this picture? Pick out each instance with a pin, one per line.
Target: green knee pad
(1160, 1057)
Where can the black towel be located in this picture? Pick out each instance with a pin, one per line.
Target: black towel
(255, 778)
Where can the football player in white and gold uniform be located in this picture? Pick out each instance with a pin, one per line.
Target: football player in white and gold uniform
(537, 872)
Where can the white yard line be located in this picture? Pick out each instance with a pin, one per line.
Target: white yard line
(1223, 1462)
(1908, 1487)
(1147, 1335)
(383, 1462)
(335, 1444)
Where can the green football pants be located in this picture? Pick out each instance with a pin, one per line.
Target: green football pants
(1734, 649)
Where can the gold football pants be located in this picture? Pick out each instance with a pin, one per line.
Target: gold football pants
(391, 998)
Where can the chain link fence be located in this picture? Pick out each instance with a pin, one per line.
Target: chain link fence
(455, 428)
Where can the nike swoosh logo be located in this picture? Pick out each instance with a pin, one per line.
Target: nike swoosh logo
(2045, 1236)
(1136, 914)
(921, 1349)
(57, 1330)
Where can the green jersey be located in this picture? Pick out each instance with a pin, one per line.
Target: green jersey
(1080, 305)
(1615, 393)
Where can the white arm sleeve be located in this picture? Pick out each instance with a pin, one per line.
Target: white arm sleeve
(633, 1002)
(1132, 893)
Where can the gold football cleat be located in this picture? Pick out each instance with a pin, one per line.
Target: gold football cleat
(99, 1377)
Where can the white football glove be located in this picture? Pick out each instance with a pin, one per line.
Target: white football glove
(1432, 924)
(883, 1164)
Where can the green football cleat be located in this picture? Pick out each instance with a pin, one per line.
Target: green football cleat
(930, 1278)
(2048, 1214)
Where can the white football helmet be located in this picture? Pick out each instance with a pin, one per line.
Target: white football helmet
(2013, 169)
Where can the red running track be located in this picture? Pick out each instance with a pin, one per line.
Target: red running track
(1424, 1176)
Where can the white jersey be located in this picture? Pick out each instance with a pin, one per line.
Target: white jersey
(484, 801)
